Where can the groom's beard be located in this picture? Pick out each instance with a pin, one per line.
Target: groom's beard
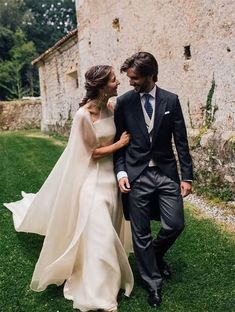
(141, 88)
(137, 89)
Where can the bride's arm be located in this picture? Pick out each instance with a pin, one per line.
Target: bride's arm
(110, 149)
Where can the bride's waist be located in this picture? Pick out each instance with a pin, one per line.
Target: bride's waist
(105, 162)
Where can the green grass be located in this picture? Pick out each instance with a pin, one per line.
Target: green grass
(202, 259)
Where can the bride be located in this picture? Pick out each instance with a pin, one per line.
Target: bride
(77, 208)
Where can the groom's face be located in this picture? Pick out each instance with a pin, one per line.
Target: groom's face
(140, 83)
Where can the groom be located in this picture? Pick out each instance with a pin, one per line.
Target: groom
(146, 169)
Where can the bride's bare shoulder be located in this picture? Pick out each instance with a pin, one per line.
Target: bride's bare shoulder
(89, 109)
(83, 110)
(92, 111)
(83, 113)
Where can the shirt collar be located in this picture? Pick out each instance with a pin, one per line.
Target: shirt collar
(152, 92)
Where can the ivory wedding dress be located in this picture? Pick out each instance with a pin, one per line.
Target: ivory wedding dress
(77, 209)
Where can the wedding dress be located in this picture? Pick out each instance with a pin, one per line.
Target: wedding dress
(77, 209)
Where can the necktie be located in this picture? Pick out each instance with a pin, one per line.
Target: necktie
(147, 105)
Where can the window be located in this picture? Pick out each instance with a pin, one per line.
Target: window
(72, 81)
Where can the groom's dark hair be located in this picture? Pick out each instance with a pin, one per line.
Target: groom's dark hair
(144, 63)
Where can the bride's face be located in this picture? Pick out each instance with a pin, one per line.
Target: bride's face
(111, 88)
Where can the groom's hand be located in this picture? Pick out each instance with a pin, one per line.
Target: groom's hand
(124, 185)
(186, 188)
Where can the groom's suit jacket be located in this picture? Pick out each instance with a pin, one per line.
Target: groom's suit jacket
(168, 124)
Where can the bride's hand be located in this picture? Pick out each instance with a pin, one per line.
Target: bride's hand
(103, 151)
(124, 139)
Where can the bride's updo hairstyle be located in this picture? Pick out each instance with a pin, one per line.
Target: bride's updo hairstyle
(95, 78)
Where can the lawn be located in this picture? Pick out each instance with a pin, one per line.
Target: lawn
(202, 260)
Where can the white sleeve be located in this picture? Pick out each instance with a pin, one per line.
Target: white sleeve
(121, 174)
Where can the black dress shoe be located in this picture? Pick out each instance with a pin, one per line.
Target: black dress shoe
(155, 299)
(164, 268)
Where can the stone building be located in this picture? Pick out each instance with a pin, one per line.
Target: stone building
(193, 41)
(59, 83)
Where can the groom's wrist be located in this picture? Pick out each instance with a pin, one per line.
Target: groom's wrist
(121, 174)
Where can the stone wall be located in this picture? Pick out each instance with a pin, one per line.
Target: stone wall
(193, 42)
(24, 114)
(213, 156)
(59, 86)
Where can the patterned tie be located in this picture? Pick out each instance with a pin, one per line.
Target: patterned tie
(147, 105)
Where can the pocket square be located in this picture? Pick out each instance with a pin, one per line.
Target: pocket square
(167, 112)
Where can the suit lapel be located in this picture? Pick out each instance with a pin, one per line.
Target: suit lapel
(160, 106)
(138, 115)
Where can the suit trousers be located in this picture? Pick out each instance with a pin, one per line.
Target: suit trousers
(153, 190)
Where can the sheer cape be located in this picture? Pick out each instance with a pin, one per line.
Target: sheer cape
(58, 212)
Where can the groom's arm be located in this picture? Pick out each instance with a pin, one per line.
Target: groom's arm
(119, 156)
(181, 143)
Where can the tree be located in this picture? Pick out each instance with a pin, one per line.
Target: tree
(28, 28)
(12, 14)
(15, 73)
(48, 21)
(44, 22)
(6, 43)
